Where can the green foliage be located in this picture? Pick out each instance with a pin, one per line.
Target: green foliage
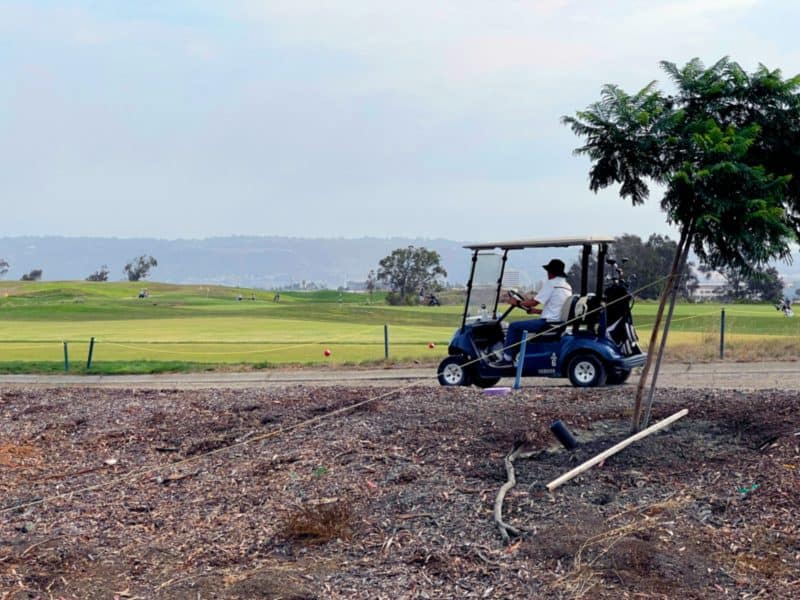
(140, 267)
(34, 275)
(100, 275)
(647, 266)
(397, 299)
(372, 282)
(4, 266)
(406, 271)
(754, 286)
(725, 147)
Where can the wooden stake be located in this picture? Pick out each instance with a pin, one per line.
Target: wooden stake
(651, 347)
(614, 449)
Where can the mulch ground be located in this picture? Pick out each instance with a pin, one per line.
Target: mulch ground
(213, 494)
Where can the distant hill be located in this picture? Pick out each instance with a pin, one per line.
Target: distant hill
(264, 262)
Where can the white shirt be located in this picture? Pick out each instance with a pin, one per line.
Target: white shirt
(552, 296)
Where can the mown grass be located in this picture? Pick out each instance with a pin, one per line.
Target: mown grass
(132, 367)
(192, 328)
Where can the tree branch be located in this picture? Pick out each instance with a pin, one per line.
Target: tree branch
(505, 528)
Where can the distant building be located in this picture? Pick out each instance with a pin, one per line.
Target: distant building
(356, 286)
(512, 278)
(709, 285)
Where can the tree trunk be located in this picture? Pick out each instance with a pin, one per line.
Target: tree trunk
(673, 296)
(637, 407)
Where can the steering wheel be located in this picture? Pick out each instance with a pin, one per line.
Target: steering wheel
(516, 295)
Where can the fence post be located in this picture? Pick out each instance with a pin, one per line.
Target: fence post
(66, 358)
(521, 359)
(91, 351)
(386, 342)
(722, 334)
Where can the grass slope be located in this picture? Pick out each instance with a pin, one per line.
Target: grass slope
(200, 327)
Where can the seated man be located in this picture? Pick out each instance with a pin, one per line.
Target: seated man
(555, 291)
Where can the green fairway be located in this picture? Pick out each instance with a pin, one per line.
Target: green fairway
(198, 327)
(740, 319)
(209, 325)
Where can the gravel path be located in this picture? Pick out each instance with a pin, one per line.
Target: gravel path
(720, 375)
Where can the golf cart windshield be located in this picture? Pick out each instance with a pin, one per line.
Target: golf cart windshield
(489, 267)
(485, 282)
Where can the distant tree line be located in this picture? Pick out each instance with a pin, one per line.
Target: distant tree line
(34, 275)
(136, 269)
(407, 272)
(647, 264)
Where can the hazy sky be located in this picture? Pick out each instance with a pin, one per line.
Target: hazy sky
(336, 118)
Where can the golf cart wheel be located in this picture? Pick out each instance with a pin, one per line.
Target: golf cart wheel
(485, 382)
(452, 371)
(586, 370)
(618, 377)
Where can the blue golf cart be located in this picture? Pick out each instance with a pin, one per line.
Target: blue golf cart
(596, 343)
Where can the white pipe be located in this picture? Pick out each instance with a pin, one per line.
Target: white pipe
(614, 449)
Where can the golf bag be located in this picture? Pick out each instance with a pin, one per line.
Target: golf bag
(619, 322)
(785, 306)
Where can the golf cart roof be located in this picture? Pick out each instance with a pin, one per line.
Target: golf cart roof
(543, 243)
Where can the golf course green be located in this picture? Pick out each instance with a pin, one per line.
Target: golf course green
(192, 327)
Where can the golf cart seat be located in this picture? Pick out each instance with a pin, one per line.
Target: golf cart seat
(574, 306)
(575, 312)
(582, 312)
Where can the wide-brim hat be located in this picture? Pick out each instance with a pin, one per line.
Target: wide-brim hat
(555, 267)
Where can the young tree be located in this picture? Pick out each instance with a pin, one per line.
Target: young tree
(407, 270)
(4, 266)
(371, 283)
(100, 275)
(34, 275)
(139, 267)
(726, 149)
(766, 286)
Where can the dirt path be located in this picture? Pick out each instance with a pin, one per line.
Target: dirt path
(308, 492)
(720, 375)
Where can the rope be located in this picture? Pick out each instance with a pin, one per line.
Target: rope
(149, 470)
(274, 433)
(573, 320)
(735, 312)
(674, 320)
(198, 353)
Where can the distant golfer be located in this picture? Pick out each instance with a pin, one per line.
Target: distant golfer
(552, 296)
